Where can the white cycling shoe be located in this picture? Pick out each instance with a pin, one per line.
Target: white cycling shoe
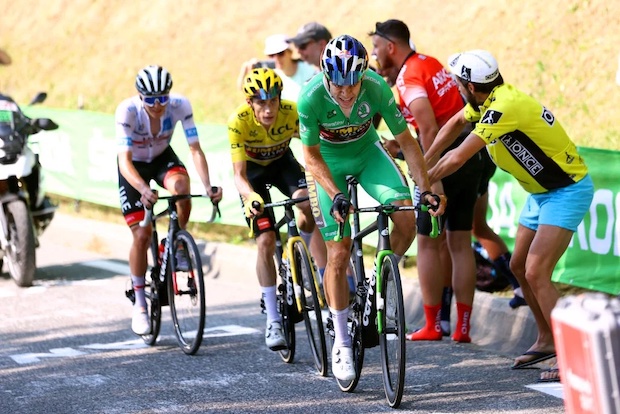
(274, 339)
(342, 363)
(140, 323)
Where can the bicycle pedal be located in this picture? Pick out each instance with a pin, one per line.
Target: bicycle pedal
(329, 327)
(131, 295)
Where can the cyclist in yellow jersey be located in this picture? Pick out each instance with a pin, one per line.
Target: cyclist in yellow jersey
(526, 140)
(260, 132)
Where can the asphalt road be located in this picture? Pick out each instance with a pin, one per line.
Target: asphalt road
(66, 347)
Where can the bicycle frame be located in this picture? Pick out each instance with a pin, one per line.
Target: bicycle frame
(173, 227)
(293, 235)
(381, 224)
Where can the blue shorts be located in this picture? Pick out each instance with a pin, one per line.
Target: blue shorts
(563, 207)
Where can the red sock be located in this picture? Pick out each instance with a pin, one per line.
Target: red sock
(461, 333)
(432, 329)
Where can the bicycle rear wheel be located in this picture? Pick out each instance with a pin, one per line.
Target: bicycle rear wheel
(151, 292)
(311, 308)
(186, 294)
(392, 339)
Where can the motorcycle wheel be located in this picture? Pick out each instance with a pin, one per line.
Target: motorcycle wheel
(20, 255)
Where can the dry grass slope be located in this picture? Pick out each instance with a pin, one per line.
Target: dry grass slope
(562, 52)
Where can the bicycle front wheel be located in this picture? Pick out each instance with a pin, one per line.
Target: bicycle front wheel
(311, 307)
(186, 294)
(392, 339)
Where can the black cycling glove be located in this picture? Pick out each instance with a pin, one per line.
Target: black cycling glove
(341, 204)
(423, 200)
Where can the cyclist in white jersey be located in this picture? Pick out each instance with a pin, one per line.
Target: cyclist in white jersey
(144, 127)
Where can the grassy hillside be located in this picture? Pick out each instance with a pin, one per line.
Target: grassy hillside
(563, 52)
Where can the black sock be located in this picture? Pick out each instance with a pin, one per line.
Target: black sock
(502, 264)
(446, 302)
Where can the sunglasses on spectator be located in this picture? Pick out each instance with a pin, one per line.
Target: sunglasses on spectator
(305, 45)
(379, 33)
(152, 100)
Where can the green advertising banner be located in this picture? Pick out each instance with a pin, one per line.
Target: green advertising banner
(79, 161)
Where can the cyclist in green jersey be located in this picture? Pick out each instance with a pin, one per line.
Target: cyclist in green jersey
(526, 140)
(335, 116)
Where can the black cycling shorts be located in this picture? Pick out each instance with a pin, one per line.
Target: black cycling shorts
(461, 189)
(285, 174)
(166, 164)
(488, 169)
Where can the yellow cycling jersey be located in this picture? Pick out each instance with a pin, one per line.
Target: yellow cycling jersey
(250, 141)
(524, 139)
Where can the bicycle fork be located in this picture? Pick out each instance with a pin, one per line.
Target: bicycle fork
(292, 270)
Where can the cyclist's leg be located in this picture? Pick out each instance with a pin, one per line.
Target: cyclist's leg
(384, 181)
(335, 282)
(141, 237)
(294, 184)
(264, 233)
(173, 176)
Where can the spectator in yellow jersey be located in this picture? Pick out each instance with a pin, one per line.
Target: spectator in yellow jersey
(523, 138)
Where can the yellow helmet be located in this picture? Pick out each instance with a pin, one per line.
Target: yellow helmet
(262, 83)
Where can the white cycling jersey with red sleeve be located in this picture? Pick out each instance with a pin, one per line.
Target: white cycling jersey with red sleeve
(133, 129)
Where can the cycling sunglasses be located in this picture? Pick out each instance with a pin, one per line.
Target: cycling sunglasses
(350, 79)
(152, 100)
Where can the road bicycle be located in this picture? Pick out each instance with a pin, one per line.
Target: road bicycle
(299, 293)
(178, 285)
(377, 315)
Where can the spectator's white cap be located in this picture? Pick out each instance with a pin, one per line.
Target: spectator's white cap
(477, 66)
(275, 44)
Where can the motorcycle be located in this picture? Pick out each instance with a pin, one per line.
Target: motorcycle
(26, 211)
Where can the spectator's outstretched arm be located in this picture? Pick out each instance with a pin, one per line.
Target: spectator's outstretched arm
(446, 136)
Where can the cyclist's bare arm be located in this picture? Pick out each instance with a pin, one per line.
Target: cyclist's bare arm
(241, 179)
(128, 170)
(202, 168)
(446, 136)
(417, 168)
(454, 159)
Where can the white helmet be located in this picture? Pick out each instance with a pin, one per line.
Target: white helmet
(153, 80)
(344, 60)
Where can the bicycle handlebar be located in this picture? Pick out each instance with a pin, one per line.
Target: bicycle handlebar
(389, 209)
(148, 212)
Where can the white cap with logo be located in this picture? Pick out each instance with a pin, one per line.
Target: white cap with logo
(477, 66)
